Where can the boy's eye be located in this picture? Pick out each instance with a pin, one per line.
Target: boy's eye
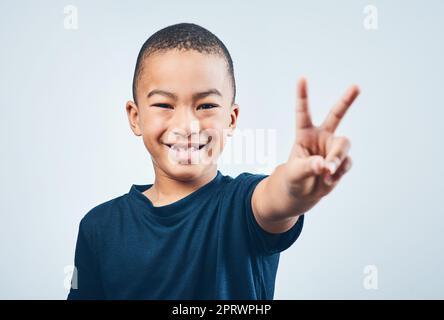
(204, 106)
(207, 106)
(162, 105)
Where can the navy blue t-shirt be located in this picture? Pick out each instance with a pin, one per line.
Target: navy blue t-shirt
(207, 245)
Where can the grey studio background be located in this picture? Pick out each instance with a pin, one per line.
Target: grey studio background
(66, 145)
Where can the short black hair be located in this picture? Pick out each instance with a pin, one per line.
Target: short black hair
(184, 36)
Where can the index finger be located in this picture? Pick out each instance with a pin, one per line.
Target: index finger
(339, 109)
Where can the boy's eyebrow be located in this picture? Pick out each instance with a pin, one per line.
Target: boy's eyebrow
(196, 96)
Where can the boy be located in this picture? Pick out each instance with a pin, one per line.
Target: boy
(196, 233)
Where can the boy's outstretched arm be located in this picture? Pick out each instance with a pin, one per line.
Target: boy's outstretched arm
(316, 163)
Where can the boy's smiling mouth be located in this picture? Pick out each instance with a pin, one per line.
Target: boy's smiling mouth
(186, 153)
(185, 146)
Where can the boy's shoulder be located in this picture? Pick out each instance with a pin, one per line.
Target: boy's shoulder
(247, 180)
(244, 180)
(102, 212)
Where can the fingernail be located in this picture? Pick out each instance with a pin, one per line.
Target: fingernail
(348, 166)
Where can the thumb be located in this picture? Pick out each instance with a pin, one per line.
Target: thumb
(303, 168)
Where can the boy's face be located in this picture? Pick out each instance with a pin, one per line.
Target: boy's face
(184, 97)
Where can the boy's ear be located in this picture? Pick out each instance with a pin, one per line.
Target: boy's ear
(233, 115)
(133, 117)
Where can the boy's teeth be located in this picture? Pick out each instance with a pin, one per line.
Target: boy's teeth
(184, 148)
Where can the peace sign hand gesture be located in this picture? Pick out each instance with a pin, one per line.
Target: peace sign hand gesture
(316, 163)
(318, 158)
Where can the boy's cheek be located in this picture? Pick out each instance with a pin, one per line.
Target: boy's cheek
(152, 144)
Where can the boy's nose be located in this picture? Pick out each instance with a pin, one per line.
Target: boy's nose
(185, 123)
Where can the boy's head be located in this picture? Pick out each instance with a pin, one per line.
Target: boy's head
(184, 92)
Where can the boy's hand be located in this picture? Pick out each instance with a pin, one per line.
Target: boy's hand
(318, 158)
(317, 161)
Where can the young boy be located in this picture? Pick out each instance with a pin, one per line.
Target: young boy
(196, 233)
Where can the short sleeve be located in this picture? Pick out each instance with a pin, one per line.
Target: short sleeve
(85, 283)
(264, 242)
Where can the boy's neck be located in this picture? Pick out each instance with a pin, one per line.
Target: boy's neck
(166, 190)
